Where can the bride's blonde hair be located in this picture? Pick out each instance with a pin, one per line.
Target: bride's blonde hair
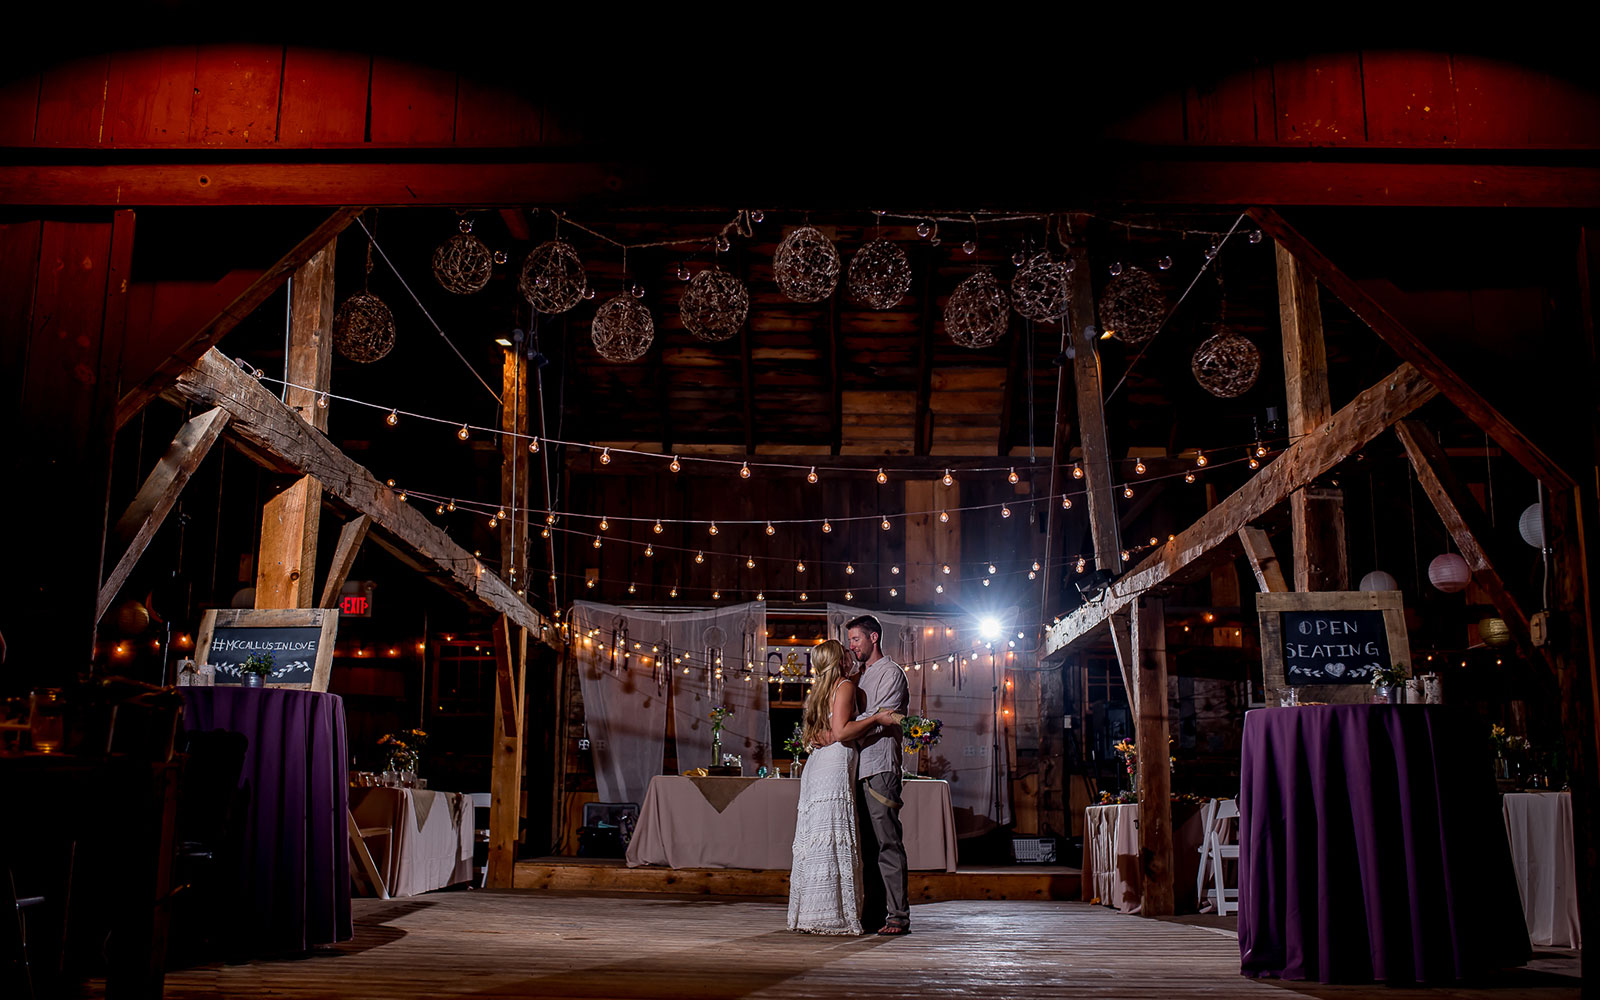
(828, 662)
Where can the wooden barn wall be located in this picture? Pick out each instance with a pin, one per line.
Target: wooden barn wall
(292, 96)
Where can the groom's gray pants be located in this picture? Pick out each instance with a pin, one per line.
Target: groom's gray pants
(878, 799)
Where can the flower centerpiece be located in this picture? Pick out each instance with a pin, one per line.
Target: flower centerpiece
(255, 668)
(719, 718)
(918, 732)
(1129, 753)
(403, 749)
(1387, 683)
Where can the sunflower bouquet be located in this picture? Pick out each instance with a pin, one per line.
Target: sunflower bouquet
(919, 732)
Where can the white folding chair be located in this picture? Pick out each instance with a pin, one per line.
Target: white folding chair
(480, 835)
(1208, 812)
(1223, 846)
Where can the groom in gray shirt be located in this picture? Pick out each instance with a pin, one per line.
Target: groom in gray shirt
(878, 795)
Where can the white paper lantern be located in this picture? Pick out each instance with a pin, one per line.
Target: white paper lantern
(1531, 526)
(1449, 573)
(1378, 580)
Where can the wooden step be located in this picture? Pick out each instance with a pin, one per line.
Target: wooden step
(1041, 882)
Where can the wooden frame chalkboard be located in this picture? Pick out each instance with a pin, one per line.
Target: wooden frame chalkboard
(305, 634)
(1341, 609)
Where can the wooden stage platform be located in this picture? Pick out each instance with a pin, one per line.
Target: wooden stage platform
(1037, 882)
(555, 945)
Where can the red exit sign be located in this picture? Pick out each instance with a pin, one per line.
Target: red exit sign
(356, 605)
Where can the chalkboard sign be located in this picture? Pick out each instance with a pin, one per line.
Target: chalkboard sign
(1328, 644)
(300, 641)
(1333, 647)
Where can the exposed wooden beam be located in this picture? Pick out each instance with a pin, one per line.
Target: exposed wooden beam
(1263, 560)
(1151, 734)
(1371, 413)
(311, 335)
(275, 431)
(516, 224)
(1414, 350)
(190, 342)
(1055, 518)
(1464, 520)
(1157, 176)
(515, 460)
(351, 536)
(1317, 533)
(144, 516)
(287, 563)
(505, 801)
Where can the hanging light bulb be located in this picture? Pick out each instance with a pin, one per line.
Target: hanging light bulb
(944, 517)
(596, 538)
(1254, 463)
(716, 595)
(393, 418)
(1077, 471)
(1036, 565)
(1033, 574)
(1066, 502)
(673, 592)
(849, 595)
(1127, 492)
(550, 518)
(939, 589)
(675, 466)
(894, 592)
(884, 524)
(589, 584)
(322, 401)
(985, 581)
(948, 479)
(811, 477)
(760, 596)
(713, 530)
(750, 563)
(1188, 477)
(605, 456)
(1012, 478)
(533, 446)
(463, 432)
(544, 532)
(1082, 564)
(649, 550)
(1124, 555)
(1139, 467)
(657, 528)
(1261, 450)
(1005, 511)
(1200, 458)
(632, 589)
(895, 570)
(502, 514)
(744, 471)
(699, 557)
(401, 496)
(770, 529)
(826, 527)
(440, 509)
(800, 567)
(451, 506)
(802, 595)
(882, 477)
(991, 568)
(604, 524)
(946, 569)
(1154, 540)
(849, 569)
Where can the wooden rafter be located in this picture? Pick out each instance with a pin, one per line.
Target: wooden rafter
(155, 499)
(505, 802)
(1463, 518)
(275, 433)
(1414, 350)
(193, 339)
(351, 535)
(1152, 727)
(1364, 418)
(1263, 560)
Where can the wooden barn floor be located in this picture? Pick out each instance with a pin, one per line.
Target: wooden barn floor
(556, 945)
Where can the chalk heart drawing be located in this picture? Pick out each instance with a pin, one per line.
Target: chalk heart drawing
(1335, 669)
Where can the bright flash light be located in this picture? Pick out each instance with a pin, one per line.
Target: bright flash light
(989, 629)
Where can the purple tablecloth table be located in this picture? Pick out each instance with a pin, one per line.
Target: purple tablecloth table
(1371, 847)
(291, 890)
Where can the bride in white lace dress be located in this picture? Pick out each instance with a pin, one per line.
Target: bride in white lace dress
(825, 889)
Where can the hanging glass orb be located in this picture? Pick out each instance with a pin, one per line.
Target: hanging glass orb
(363, 328)
(623, 329)
(462, 264)
(922, 229)
(1116, 268)
(880, 274)
(1133, 306)
(1226, 364)
(1165, 263)
(553, 279)
(970, 247)
(1039, 288)
(1449, 573)
(1531, 526)
(1019, 258)
(1378, 580)
(977, 312)
(715, 305)
(806, 265)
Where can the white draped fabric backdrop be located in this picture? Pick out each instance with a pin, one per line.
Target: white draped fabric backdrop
(627, 669)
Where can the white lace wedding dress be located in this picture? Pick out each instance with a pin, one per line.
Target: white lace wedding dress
(825, 882)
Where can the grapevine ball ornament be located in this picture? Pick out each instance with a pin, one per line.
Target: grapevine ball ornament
(880, 274)
(622, 329)
(1133, 306)
(715, 305)
(806, 265)
(1039, 288)
(1226, 364)
(552, 277)
(363, 328)
(978, 311)
(462, 264)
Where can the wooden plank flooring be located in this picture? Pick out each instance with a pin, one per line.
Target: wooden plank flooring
(555, 945)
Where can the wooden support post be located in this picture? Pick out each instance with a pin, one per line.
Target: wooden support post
(311, 335)
(286, 568)
(1365, 417)
(1316, 516)
(1464, 520)
(1082, 324)
(144, 516)
(1151, 733)
(1263, 560)
(351, 536)
(505, 782)
(515, 461)
(1224, 587)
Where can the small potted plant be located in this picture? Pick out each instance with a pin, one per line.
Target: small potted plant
(254, 670)
(1388, 684)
